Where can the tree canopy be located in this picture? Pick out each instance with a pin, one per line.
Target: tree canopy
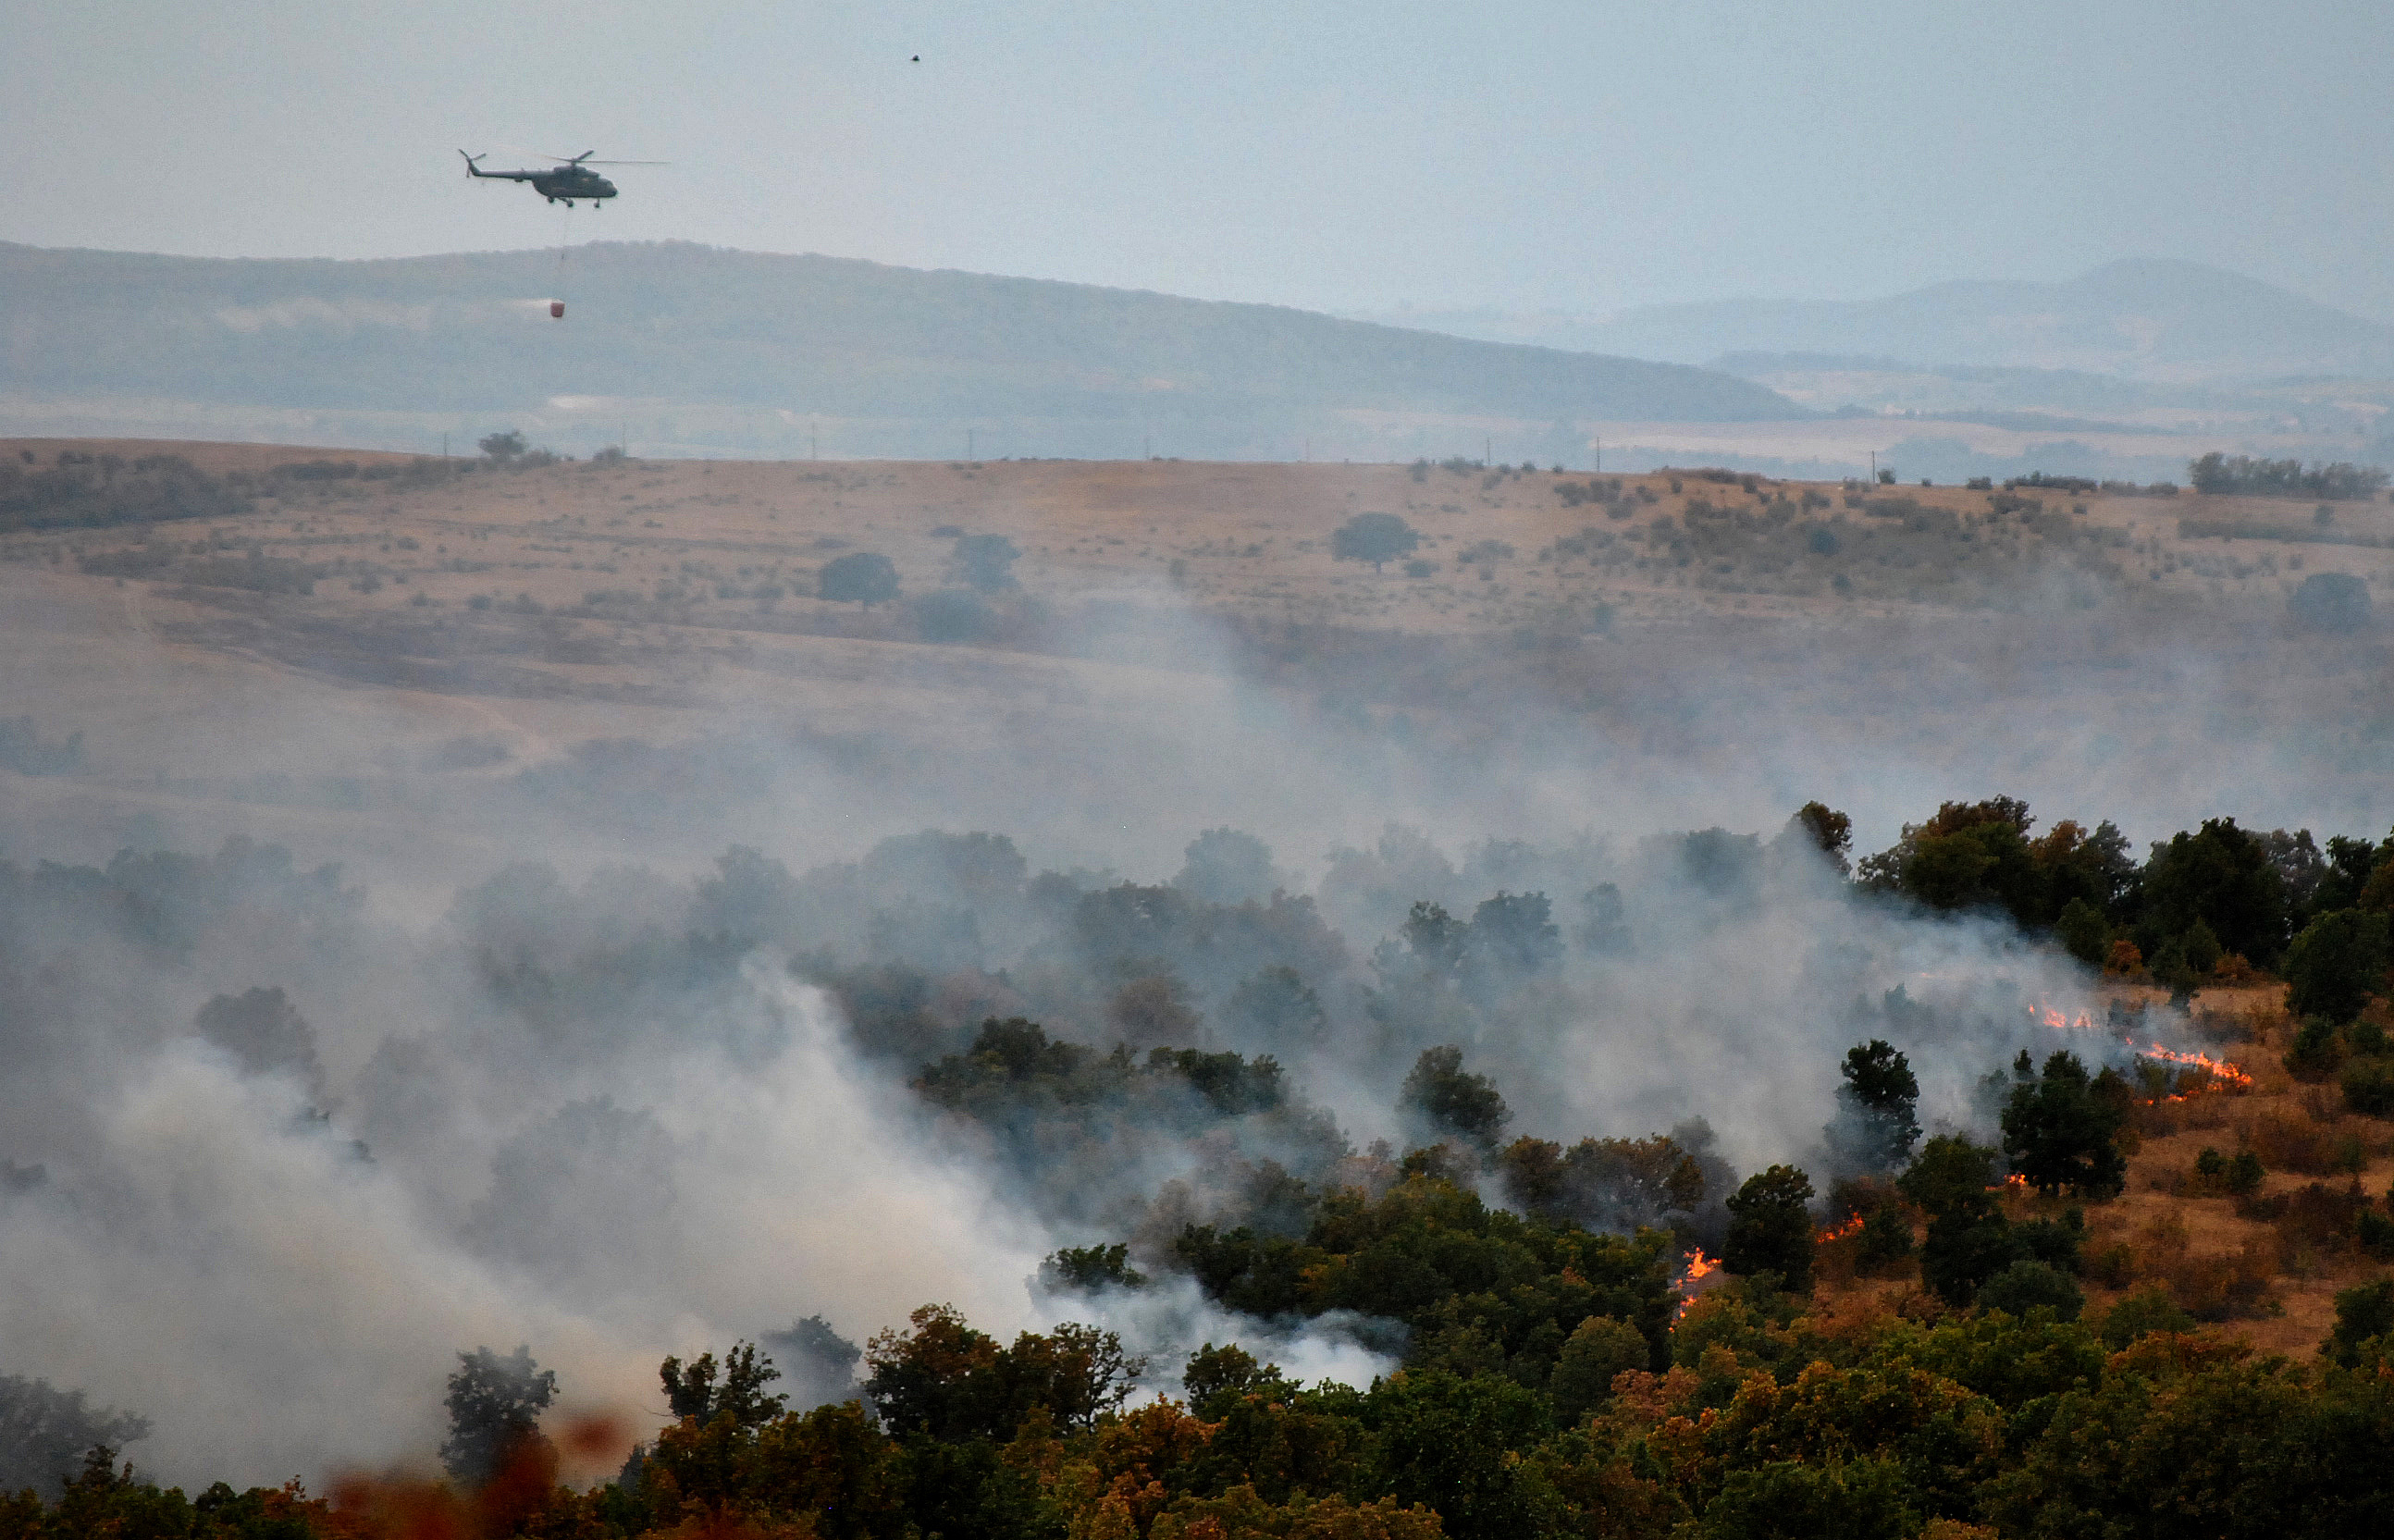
(1373, 537)
(863, 578)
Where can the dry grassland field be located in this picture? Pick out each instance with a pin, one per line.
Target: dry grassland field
(2134, 649)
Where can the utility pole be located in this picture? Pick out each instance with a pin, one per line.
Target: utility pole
(1874, 455)
(969, 444)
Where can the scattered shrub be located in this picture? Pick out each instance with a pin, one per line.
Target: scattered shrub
(2368, 1086)
(2141, 1314)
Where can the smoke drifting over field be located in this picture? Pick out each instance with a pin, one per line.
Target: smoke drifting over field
(639, 1080)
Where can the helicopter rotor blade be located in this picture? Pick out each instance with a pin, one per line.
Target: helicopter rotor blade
(582, 159)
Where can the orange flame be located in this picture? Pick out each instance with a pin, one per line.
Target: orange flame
(1853, 1226)
(1698, 1266)
(2221, 1071)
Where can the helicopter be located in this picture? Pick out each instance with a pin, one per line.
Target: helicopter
(572, 178)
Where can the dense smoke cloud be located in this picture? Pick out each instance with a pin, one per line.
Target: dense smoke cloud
(619, 1066)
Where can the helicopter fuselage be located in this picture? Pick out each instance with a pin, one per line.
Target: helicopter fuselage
(566, 184)
(572, 184)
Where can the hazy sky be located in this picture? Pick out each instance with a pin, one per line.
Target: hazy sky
(1581, 155)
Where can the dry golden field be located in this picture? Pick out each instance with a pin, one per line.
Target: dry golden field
(357, 624)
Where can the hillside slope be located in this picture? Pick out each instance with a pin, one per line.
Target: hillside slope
(904, 360)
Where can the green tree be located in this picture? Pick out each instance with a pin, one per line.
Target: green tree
(1826, 830)
(987, 561)
(865, 578)
(1877, 1123)
(2222, 875)
(1452, 1101)
(1969, 854)
(1087, 1270)
(1435, 940)
(1969, 1241)
(264, 1032)
(495, 1405)
(2336, 964)
(2058, 1130)
(1597, 1349)
(2364, 1314)
(935, 1377)
(1512, 938)
(2140, 1314)
(46, 1433)
(2368, 1086)
(692, 1392)
(1771, 1227)
(503, 446)
(1278, 1006)
(1373, 537)
(2083, 932)
(834, 1466)
(1227, 866)
(1452, 1444)
(2335, 603)
(1076, 1373)
(2029, 1285)
(1228, 1371)
(1863, 1499)
(1885, 1237)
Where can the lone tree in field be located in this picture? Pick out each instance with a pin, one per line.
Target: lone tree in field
(503, 447)
(1373, 537)
(866, 577)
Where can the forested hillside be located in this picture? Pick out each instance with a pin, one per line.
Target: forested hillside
(1968, 1305)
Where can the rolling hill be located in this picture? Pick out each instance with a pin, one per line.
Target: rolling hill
(2156, 321)
(686, 346)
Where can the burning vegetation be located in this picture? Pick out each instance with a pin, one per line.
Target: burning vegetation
(2035, 1220)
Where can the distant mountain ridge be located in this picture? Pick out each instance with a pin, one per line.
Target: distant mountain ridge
(2158, 321)
(691, 341)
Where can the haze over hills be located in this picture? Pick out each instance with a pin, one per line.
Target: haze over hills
(2161, 322)
(685, 347)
